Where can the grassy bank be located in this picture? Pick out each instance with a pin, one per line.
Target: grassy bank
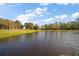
(9, 33)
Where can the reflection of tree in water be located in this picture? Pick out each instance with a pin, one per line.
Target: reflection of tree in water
(58, 37)
(2, 52)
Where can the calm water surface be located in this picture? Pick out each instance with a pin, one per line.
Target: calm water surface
(41, 44)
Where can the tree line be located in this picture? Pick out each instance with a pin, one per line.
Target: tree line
(8, 24)
(73, 25)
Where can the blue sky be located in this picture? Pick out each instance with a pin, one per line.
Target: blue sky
(40, 13)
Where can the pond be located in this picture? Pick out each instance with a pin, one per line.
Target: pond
(45, 43)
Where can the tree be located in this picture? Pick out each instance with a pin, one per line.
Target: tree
(29, 25)
(77, 19)
(5, 23)
(51, 26)
(45, 27)
(18, 24)
(36, 27)
(75, 24)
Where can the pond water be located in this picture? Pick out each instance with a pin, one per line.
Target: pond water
(45, 43)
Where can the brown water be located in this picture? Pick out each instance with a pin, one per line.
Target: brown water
(41, 44)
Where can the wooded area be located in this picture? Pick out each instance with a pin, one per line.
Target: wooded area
(8, 24)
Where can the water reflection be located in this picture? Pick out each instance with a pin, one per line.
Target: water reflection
(41, 43)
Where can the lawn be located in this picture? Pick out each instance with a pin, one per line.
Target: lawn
(9, 33)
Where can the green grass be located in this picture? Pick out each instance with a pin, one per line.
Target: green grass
(9, 33)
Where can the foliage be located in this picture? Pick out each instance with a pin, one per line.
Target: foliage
(18, 24)
(74, 25)
(8, 24)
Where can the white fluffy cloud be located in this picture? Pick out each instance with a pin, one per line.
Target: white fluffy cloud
(23, 18)
(74, 4)
(66, 17)
(48, 20)
(44, 4)
(28, 11)
(75, 15)
(29, 15)
(61, 16)
(63, 3)
(40, 11)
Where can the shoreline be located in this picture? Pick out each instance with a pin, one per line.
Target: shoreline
(15, 32)
(11, 33)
